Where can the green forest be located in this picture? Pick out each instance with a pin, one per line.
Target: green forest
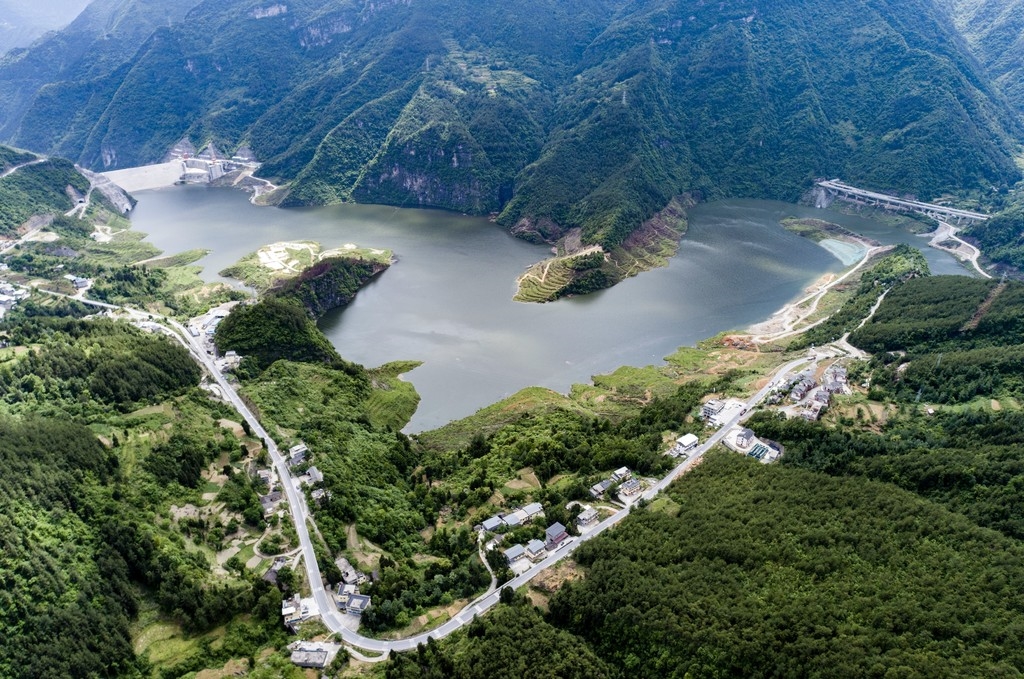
(88, 474)
(748, 570)
(946, 339)
(37, 189)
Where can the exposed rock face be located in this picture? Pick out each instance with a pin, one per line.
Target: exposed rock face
(543, 230)
(117, 196)
(821, 197)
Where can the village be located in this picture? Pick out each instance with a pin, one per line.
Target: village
(805, 394)
(519, 533)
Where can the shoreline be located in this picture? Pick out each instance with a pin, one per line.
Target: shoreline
(783, 323)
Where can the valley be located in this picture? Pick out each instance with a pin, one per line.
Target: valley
(280, 398)
(431, 339)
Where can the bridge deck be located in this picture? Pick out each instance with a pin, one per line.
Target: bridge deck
(840, 187)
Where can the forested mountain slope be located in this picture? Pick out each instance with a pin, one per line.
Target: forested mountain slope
(72, 69)
(768, 571)
(994, 30)
(590, 116)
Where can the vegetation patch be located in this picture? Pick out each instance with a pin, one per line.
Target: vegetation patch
(273, 264)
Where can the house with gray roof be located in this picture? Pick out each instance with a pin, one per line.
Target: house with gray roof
(512, 520)
(533, 510)
(631, 487)
(493, 523)
(599, 488)
(514, 553)
(586, 517)
(555, 535)
(357, 603)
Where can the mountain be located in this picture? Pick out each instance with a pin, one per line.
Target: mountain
(70, 70)
(21, 22)
(994, 30)
(591, 116)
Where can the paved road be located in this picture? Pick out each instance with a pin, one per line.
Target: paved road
(332, 618)
(14, 169)
(947, 231)
(917, 205)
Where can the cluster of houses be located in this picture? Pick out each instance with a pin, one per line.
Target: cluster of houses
(347, 593)
(10, 296)
(297, 455)
(535, 550)
(628, 486)
(519, 517)
(815, 398)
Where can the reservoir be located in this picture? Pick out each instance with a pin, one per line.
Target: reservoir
(447, 301)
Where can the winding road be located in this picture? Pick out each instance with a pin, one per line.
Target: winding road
(947, 231)
(11, 170)
(814, 297)
(329, 613)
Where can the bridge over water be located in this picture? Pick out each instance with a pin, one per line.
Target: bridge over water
(838, 189)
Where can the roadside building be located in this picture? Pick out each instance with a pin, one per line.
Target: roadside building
(744, 438)
(711, 408)
(297, 454)
(630, 488)
(314, 659)
(313, 654)
(514, 553)
(587, 517)
(535, 550)
(687, 441)
(357, 603)
(343, 593)
(315, 475)
(555, 535)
